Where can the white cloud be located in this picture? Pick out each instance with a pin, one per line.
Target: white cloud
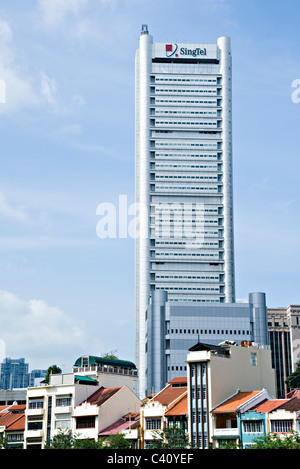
(9, 211)
(48, 89)
(18, 87)
(54, 12)
(43, 334)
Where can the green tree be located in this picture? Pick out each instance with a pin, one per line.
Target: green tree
(112, 355)
(64, 439)
(3, 442)
(116, 442)
(275, 441)
(87, 444)
(293, 380)
(51, 371)
(170, 438)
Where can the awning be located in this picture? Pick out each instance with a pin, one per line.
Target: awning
(86, 379)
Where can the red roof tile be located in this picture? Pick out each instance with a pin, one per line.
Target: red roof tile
(268, 406)
(10, 419)
(101, 395)
(118, 426)
(232, 404)
(169, 394)
(179, 380)
(18, 424)
(292, 405)
(180, 407)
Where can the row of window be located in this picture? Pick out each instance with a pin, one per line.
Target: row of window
(203, 415)
(186, 144)
(191, 80)
(186, 244)
(173, 155)
(39, 403)
(212, 92)
(158, 122)
(185, 188)
(190, 299)
(197, 113)
(160, 100)
(185, 254)
(187, 176)
(253, 426)
(211, 289)
(191, 277)
(188, 207)
(209, 331)
(188, 166)
(278, 426)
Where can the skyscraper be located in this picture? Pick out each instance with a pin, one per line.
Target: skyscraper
(184, 242)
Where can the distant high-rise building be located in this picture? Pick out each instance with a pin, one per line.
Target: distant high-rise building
(284, 339)
(14, 373)
(184, 242)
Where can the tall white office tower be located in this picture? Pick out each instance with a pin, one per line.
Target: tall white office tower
(184, 240)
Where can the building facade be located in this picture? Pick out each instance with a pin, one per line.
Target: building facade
(216, 372)
(184, 239)
(78, 402)
(284, 339)
(14, 373)
(173, 327)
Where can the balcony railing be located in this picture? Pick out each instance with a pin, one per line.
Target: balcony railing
(222, 432)
(106, 369)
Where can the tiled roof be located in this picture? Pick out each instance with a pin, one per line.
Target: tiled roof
(268, 406)
(293, 393)
(232, 404)
(102, 395)
(9, 419)
(292, 405)
(119, 425)
(18, 424)
(169, 394)
(174, 389)
(180, 407)
(3, 407)
(179, 380)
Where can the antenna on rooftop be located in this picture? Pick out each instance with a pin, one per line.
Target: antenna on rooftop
(144, 29)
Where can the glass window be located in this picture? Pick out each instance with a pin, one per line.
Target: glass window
(282, 426)
(85, 422)
(253, 426)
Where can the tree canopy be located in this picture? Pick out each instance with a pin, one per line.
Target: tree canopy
(293, 380)
(53, 369)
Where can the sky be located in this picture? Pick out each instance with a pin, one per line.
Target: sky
(67, 147)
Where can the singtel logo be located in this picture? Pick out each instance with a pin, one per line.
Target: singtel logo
(172, 50)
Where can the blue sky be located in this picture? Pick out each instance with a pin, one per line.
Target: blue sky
(67, 145)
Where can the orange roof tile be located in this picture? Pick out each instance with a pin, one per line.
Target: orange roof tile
(169, 394)
(101, 395)
(10, 418)
(291, 405)
(267, 406)
(179, 380)
(2, 409)
(18, 424)
(232, 404)
(180, 407)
